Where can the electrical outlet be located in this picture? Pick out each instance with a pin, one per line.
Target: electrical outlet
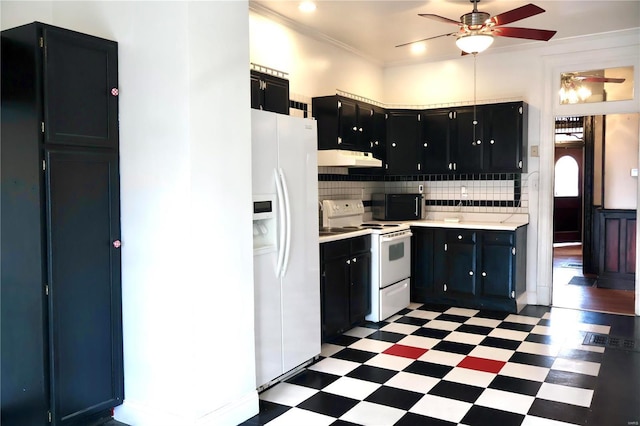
(420, 189)
(463, 192)
(534, 151)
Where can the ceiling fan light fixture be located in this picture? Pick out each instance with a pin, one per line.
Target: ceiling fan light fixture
(474, 43)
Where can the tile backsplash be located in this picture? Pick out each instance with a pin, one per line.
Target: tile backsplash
(481, 193)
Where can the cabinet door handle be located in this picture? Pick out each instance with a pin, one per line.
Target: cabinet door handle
(355, 129)
(348, 262)
(360, 129)
(471, 273)
(478, 142)
(393, 144)
(484, 274)
(354, 260)
(459, 237)
(117, 244)
(445, 287)
(492, 141)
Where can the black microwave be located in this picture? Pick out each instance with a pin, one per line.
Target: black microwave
(396, 206)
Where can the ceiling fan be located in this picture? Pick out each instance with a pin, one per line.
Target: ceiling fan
(574, 77)
(477, 29)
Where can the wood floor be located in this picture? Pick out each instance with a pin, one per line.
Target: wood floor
(567, 263)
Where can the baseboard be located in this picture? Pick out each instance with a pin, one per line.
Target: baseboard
(231, 414)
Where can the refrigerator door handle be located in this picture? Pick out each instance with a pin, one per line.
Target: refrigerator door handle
(281, 223)
(287, 246)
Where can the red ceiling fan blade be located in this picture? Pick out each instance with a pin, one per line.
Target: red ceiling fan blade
(528, 33)
(594, 79)
(516, 14)
(425, 39)
(440, 18)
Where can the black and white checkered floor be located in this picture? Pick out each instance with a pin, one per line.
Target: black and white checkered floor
(436, 365)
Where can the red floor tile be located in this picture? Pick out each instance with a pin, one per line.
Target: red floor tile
(482, 364)
(405, 351)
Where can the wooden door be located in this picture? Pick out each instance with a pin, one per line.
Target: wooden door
(568, 194)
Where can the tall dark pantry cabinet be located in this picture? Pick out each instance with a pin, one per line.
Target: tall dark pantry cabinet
(61, 348)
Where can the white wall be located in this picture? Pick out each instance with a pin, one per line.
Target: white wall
(187, 275)
(315, 68)
(620, 156)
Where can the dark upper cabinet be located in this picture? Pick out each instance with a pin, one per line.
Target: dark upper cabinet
(466, 147)
(80, 76)
(345, 123)
(61, 293)
(269, 93)
(404, 134)
(436, 124)
(505, 137)
(490, 139)
(379, 133)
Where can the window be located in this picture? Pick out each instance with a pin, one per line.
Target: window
(566, 181)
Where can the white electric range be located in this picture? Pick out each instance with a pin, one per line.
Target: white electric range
(390, 255)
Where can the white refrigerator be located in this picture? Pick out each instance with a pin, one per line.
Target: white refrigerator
(286, 246)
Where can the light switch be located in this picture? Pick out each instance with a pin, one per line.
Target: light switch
(634, 172)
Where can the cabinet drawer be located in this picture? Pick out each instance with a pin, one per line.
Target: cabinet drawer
(498, 237)
(461, 235)
(360, 244)
(345, 248)
(334, 249)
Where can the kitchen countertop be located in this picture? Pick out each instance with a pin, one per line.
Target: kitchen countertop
(488, 221)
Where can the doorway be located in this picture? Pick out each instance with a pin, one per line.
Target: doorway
(580, 167)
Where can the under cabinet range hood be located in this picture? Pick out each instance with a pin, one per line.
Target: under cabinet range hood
(344, 158)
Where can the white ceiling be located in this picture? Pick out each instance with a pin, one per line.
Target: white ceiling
(372, 29)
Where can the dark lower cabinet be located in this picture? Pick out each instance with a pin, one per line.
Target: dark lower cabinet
(61, 309)
(469, 268)
(460, 260)
(345, 280)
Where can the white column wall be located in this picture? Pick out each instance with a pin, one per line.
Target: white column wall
(185, 168)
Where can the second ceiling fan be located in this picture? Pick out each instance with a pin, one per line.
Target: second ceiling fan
(477, 29)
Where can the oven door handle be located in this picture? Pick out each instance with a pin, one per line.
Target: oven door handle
(385, 239)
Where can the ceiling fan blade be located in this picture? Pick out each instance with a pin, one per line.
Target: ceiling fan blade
(440, 18)
(528, 33)
(425, 39)
(594, 79)
(517, 14)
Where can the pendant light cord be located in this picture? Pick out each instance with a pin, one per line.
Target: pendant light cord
(475, 121)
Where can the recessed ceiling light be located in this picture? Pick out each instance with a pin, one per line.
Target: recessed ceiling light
(418, 48)
(307, 6)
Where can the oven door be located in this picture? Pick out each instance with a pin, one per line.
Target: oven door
(395, 257)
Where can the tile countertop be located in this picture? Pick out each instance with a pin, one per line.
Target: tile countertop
(489, 221)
